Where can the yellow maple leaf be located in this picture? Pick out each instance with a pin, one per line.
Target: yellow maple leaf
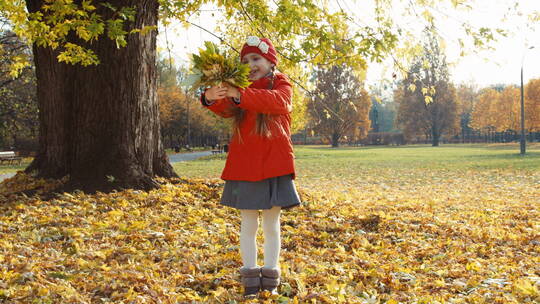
(474, 266)
(525, 287)
(42, 291)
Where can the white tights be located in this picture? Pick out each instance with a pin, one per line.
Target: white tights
(248, 236)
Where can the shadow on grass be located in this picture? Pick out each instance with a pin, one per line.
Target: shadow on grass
(343, 148)
(528, 156)
(509, 146)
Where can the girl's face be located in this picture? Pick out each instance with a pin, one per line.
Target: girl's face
(259, 65)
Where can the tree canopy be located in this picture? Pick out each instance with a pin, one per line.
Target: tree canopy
(18, 104)
(500, 111)
(431, 109)
(309, 32)
(339, 106)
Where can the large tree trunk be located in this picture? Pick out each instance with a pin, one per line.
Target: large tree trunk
(100, 124)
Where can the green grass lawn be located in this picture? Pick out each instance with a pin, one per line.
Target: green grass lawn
(5, 168)
(320, 161)
(350, 160)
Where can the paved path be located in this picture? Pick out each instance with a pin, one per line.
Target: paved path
(4, 176)
(173, 158)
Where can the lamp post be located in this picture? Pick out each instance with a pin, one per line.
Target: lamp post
(522, 139)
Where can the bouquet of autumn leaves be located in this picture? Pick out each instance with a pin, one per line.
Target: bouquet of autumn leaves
(211, 68)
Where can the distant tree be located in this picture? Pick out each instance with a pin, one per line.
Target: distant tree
(483, 108)
(182, 118)
(499, 87)
(174, 106)
(382, 116)
(426, 98)
(466, 95)
(169, 75)
(18, 102)
(505, 110)
(532, 105)
(171, 113)
(339, 105)
(498, 109)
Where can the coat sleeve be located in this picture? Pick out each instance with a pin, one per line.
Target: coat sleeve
(275, 101)
(222, 107)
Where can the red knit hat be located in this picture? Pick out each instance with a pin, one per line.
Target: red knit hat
(261, 46)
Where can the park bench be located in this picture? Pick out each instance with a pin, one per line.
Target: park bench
(9, 157)
(216, 151)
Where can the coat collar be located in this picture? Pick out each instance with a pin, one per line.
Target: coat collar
(263, 82)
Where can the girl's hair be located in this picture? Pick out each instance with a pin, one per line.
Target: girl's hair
(262, 122)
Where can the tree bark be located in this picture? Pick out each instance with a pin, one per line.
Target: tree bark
(435, 137)
(335, 140)
(100, 124)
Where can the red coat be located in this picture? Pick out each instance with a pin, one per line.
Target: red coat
(258, 157)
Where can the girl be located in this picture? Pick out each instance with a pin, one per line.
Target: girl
(259, 170)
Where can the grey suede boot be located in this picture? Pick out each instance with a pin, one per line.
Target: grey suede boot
(270, 279)
(251, 279)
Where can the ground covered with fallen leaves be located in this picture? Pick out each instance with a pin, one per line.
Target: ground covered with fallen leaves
(397, 232)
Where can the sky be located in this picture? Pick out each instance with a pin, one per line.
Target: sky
(498, 66)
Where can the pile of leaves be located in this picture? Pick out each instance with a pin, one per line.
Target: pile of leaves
(177, 244)
(212, 67)
(25, 184)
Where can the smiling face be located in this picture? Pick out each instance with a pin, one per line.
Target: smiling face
(259, 65)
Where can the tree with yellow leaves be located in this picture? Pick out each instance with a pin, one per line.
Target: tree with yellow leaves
(339, 106)
(532, 105)
(496, 111)
(182, 120)
(505, 111)
(483, 108)
(466, 95)
(427, 98)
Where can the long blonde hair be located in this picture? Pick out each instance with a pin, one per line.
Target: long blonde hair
(262, 123)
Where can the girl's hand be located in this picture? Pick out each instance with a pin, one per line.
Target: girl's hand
(215, 93)
(232, 91)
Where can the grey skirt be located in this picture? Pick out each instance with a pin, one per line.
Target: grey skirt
(264, 194)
